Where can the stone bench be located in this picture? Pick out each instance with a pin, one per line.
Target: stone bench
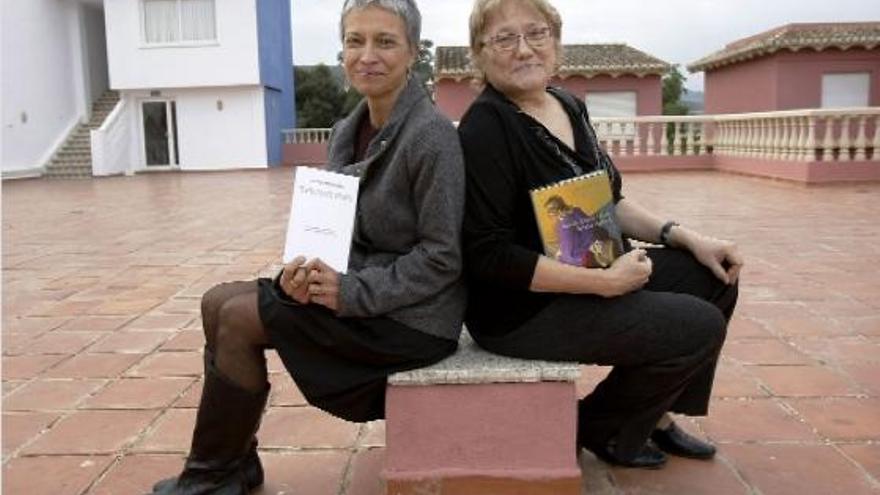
(478, 423)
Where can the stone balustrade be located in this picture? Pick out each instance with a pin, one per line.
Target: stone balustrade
(306, 136)
(654, 135)
(832, 135)
(794, 145)
(305, 146)
(827, 135)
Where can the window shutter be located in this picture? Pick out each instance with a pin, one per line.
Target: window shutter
(614, 104)
(845, 90)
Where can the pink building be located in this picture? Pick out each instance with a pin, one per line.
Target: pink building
(616, 80)
(828, 65)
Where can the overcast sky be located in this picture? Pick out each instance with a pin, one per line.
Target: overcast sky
(677, 31)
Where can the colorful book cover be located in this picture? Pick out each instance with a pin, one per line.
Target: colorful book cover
(576, 221)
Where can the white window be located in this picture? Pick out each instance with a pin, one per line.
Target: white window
(613, 104)
(845, 90)
(178, 21)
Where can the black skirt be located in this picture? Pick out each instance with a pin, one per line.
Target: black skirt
(341, 365)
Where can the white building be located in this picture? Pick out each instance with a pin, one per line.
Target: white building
(198, 84)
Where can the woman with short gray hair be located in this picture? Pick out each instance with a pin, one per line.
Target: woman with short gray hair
(400, 303)
(405, 9)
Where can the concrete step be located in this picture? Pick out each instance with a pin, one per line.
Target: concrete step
(71, 159)
(70, 156)
(76, 148)
(69, 167)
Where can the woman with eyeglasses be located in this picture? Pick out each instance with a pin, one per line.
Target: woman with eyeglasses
(657, 315)
(401, 302)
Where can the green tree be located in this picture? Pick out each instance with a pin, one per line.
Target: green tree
(350, 100)
(673, 89)
(319, 99)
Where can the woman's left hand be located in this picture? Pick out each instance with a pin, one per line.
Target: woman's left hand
(324, 285)
(722, 257)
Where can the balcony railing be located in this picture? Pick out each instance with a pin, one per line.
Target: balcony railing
(794, 145)
(306, 136)
(829, 135)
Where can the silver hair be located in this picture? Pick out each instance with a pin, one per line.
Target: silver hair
(406, 9)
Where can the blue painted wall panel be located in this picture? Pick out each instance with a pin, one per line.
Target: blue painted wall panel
(273, 100)
(276, 71)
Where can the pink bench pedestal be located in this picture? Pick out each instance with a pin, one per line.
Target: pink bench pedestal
(477, 423)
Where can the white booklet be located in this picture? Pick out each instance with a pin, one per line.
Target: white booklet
(322, 215)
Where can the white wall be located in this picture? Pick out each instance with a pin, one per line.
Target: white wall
(232, 61)
(37, 67)
(208, 138)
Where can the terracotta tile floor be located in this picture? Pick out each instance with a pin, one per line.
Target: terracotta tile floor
(101, 340)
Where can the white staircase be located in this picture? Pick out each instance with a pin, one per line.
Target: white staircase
(74, 159)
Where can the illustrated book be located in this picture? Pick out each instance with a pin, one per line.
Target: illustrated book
(576, 221)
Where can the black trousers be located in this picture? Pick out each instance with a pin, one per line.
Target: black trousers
(663, 342)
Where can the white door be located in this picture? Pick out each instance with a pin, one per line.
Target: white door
(159, 131)
(845, 90)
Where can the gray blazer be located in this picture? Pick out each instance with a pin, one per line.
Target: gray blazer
(406, 258)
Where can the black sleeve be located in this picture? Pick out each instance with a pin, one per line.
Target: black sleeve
(493, 184)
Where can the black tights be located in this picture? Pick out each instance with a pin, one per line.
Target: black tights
(234, 333)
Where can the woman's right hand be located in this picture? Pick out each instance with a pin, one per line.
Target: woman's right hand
(293, 280)
(628, 273)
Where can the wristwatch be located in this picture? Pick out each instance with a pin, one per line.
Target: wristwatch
(664, 231)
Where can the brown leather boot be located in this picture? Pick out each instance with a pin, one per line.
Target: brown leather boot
(223, 454)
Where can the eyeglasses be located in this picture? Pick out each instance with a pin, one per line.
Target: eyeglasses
(535, 38)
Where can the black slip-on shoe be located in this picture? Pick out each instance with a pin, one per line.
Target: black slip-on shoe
(649, 457)
(673, 440)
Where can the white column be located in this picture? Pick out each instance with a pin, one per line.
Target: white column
(649, 148)
(764, 139)
(861, 142)
(736, 137)
(876, 142)
(705, 138)
(761, 147)
(779, 138)
(665, 145)
(828, 140)
(728, 137)
(699, 138)
(749, 143)
(791, 145)
(809, 142)
(676, 142)
(637, 139)
(690, 147)
(845, 142)
(750, 139)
